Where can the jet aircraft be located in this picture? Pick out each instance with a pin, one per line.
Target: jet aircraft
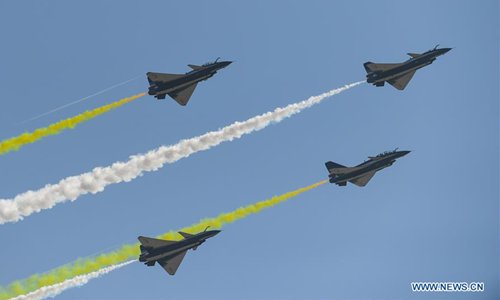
(169, 254)
(362, 173)
(399, 74)
(181, 86)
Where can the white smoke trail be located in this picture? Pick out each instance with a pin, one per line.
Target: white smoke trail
(56, 289)
(70, 188)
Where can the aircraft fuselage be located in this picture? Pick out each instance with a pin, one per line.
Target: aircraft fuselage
(184, 81)
(169, 251)
(413, 64)
(342, 175)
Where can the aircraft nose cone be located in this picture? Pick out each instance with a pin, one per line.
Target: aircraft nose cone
(403, 153)
(444, 50)
(214, 232)
(225, 63)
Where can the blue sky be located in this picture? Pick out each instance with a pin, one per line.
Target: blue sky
(433, 216)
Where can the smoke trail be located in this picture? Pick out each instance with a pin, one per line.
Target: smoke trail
(70, 188)
(131, 251)
(13, 144)
(79, 100)
(56, 289)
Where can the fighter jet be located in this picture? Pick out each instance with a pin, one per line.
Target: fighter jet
(398, 75)
(169, 254)
(362, 173)
(181, 86)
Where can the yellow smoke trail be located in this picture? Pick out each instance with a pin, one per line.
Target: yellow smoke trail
(131, 251)
(15, 143)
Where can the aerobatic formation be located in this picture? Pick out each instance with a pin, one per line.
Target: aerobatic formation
(169, 249)
(95, 181)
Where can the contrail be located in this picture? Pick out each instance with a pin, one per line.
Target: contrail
(15, 143)
(70, 188)
(131, 251)
(79, 100)
(56, 289)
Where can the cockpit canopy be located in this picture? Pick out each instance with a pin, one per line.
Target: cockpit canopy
(385, 153)
(430, 50)
(210, 63)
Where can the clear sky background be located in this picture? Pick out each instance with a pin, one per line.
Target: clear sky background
(432, 216)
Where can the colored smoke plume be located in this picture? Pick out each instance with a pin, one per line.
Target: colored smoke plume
(15, 143)
(35, 283)
(95, 181)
